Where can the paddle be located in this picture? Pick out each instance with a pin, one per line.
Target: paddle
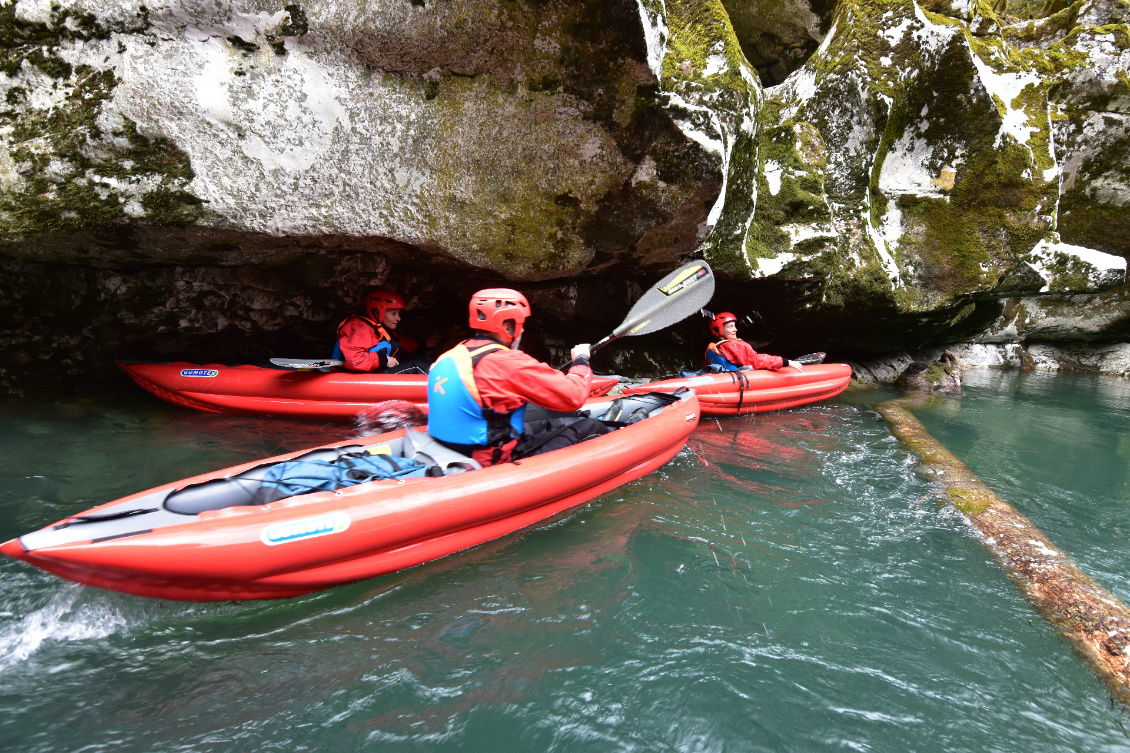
(672, 299)
(306, 363)
(809, 358)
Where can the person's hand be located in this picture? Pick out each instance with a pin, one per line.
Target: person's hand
(580, 351)
(431, 341)
(392, 362)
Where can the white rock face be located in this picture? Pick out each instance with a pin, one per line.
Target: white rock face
(381, 120)
(1105, 359)
(952, 143)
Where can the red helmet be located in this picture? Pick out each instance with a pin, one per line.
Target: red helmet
(719, 321)
(491, 308)
(378, 303)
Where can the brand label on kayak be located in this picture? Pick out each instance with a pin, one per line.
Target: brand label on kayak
(700, 380)
(199, 372)
(684, 281)
(307, 528)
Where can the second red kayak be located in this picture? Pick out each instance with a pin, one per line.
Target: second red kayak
(217, 388)
(738, 393)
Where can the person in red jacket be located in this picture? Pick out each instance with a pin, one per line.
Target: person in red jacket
(730, 353)
(478, 391)
(370, 342)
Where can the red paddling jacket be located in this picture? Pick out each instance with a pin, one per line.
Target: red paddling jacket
(731, 355)
(364, 345)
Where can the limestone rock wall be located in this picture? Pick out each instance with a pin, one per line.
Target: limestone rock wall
(932, 154)
(228, 176)
(523, 139)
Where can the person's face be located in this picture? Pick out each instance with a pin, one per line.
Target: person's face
(730, 330)
(392, 318)
(511, 328)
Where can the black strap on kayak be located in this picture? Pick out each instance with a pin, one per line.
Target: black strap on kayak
(739, 378)
(547, 436)
(103, 517)
(360, 474)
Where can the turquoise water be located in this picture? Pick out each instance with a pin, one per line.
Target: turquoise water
(786, 583)
(1057, 447)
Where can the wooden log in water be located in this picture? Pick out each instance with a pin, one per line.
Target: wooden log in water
(1095, 621)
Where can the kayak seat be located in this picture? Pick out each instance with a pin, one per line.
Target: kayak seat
(241, 489)
(630, 409)
(421, 446)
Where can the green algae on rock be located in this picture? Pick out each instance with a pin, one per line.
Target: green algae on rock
(951, 131)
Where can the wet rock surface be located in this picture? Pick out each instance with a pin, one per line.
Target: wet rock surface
(942, 375)
(222, 180)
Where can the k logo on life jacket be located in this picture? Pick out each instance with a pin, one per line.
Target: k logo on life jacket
(439, 386)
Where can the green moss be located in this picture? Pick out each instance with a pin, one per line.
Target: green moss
(988, 11)
(849, 275)
(893, 129)
(700, 33)
(1070, 274)
(74, 177)
(1057, 18)
(37, 42)
(700, 29)
(1086, 222)
(938, 373)
(1033, 101)
(1119, 32)
(970, 501)
(963, 245)
(800, 198)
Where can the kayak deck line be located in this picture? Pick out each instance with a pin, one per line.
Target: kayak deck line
(1094, 620)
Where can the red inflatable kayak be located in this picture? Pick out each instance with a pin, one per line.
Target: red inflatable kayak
(211, 537)
(737, 393)
(216, 388)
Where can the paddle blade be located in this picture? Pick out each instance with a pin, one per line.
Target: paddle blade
(809, 358)
(671, 300)
(305, 363)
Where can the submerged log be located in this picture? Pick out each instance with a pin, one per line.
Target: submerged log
(1094, 620)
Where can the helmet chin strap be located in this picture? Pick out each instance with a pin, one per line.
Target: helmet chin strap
(517, 343)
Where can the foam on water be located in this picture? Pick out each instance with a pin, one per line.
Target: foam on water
(60, 620)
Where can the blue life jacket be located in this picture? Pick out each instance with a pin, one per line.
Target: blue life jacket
(715, 358)
(456, 413)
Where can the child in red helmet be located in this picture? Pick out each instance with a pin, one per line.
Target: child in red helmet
(478, 391)
(730, 353)
(369, 342)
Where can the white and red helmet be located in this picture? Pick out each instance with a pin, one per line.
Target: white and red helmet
(490, 309)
